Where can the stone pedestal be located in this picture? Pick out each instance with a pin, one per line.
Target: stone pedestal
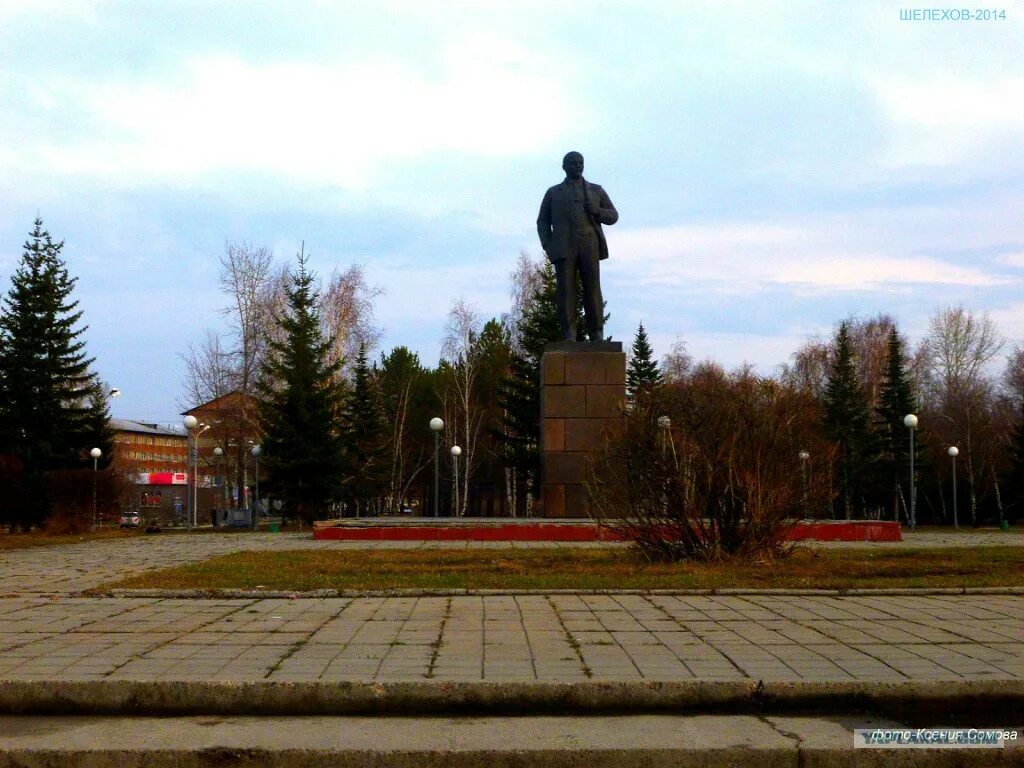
(583, 390)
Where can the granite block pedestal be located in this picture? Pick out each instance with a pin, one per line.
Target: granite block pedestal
(583, 391)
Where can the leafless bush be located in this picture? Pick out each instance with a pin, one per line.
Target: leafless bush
(710, 467)
(71, 495)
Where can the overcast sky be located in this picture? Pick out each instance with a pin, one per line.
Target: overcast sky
(776, 166)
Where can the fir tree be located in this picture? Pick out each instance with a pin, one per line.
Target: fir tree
(1014, 477)
(365, 440)
(520, 392)
(96, 429)
(642, 373)
(895, 400)
(44, 370)
(43, 364)
(847, 422)
(300, 399)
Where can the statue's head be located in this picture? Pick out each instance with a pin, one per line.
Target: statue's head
(572, 164)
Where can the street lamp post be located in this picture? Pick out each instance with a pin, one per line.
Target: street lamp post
(953, 453)
(664, 424)
(910, 422)
(456, 452)
(190, 422)
(95, 453)
(436, 425)
(218, 457)
(256, 451)
(803, 456)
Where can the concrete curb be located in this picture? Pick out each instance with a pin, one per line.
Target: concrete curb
(257, 594)
(923, 703)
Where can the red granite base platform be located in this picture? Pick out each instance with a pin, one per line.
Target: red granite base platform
(489, 529)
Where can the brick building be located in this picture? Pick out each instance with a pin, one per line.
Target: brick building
(154, 459)
(230, 423)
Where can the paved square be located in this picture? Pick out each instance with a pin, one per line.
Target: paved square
(533, 637)
(46, 632)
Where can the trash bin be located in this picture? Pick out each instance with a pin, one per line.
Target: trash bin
(275, 528)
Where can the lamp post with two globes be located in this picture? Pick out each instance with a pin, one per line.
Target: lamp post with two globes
(190, 422)
(192, 484)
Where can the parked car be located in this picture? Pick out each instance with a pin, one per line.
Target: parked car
(131, 520)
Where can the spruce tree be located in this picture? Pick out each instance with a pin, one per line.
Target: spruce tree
(43, 364)
(520, 392)
(300, 400)
(895, 400)
(44, 370)
(365, 440)
(847, 422)
(642, 373)
(96, 429)
(1014, 477)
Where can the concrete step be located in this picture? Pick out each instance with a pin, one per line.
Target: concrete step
(648, 741)
(921, 703)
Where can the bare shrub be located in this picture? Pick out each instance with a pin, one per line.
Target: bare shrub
(709, 467)
(71, 495)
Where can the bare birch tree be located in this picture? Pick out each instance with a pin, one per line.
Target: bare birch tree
(346, 307)
(870, 342)
(208, 371)
(464, 418)
(677, 363)
(1013, 376)
(346, 312)
(808, 371)
(244, 278)
(954, 357)
(958, 347)
(524, 280)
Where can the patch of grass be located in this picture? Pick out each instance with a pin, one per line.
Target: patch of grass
(42, 539)
(579, 568)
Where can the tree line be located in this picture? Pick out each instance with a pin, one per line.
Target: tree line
(859, 386)
(344, 433)
(867, 380)
(344, 428)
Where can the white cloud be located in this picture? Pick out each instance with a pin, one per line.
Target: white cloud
(746, 257)
(1013, 259)
(331, 124)
(81, 10)
(941, 120)
(1010, 320)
